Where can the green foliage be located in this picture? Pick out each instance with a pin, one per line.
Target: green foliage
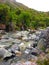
(4, 13)
(25, 17)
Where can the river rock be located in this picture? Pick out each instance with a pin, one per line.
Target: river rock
(41, 44)
(4, 53)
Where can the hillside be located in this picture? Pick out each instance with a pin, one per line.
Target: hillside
(22, 16)
(14, 4)
(18, 5)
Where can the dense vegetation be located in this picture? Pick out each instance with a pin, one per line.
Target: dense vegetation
(23, 18)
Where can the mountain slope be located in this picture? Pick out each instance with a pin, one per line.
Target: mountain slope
(18, 13)
(14, 4)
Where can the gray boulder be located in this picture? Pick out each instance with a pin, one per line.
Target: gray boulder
(41, 44)
(4, 53)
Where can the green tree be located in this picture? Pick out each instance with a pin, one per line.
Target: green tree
(24, 20)
(4, 13)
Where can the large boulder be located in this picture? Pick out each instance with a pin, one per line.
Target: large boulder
(45, 35)
(41, 44)
(4, 53)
